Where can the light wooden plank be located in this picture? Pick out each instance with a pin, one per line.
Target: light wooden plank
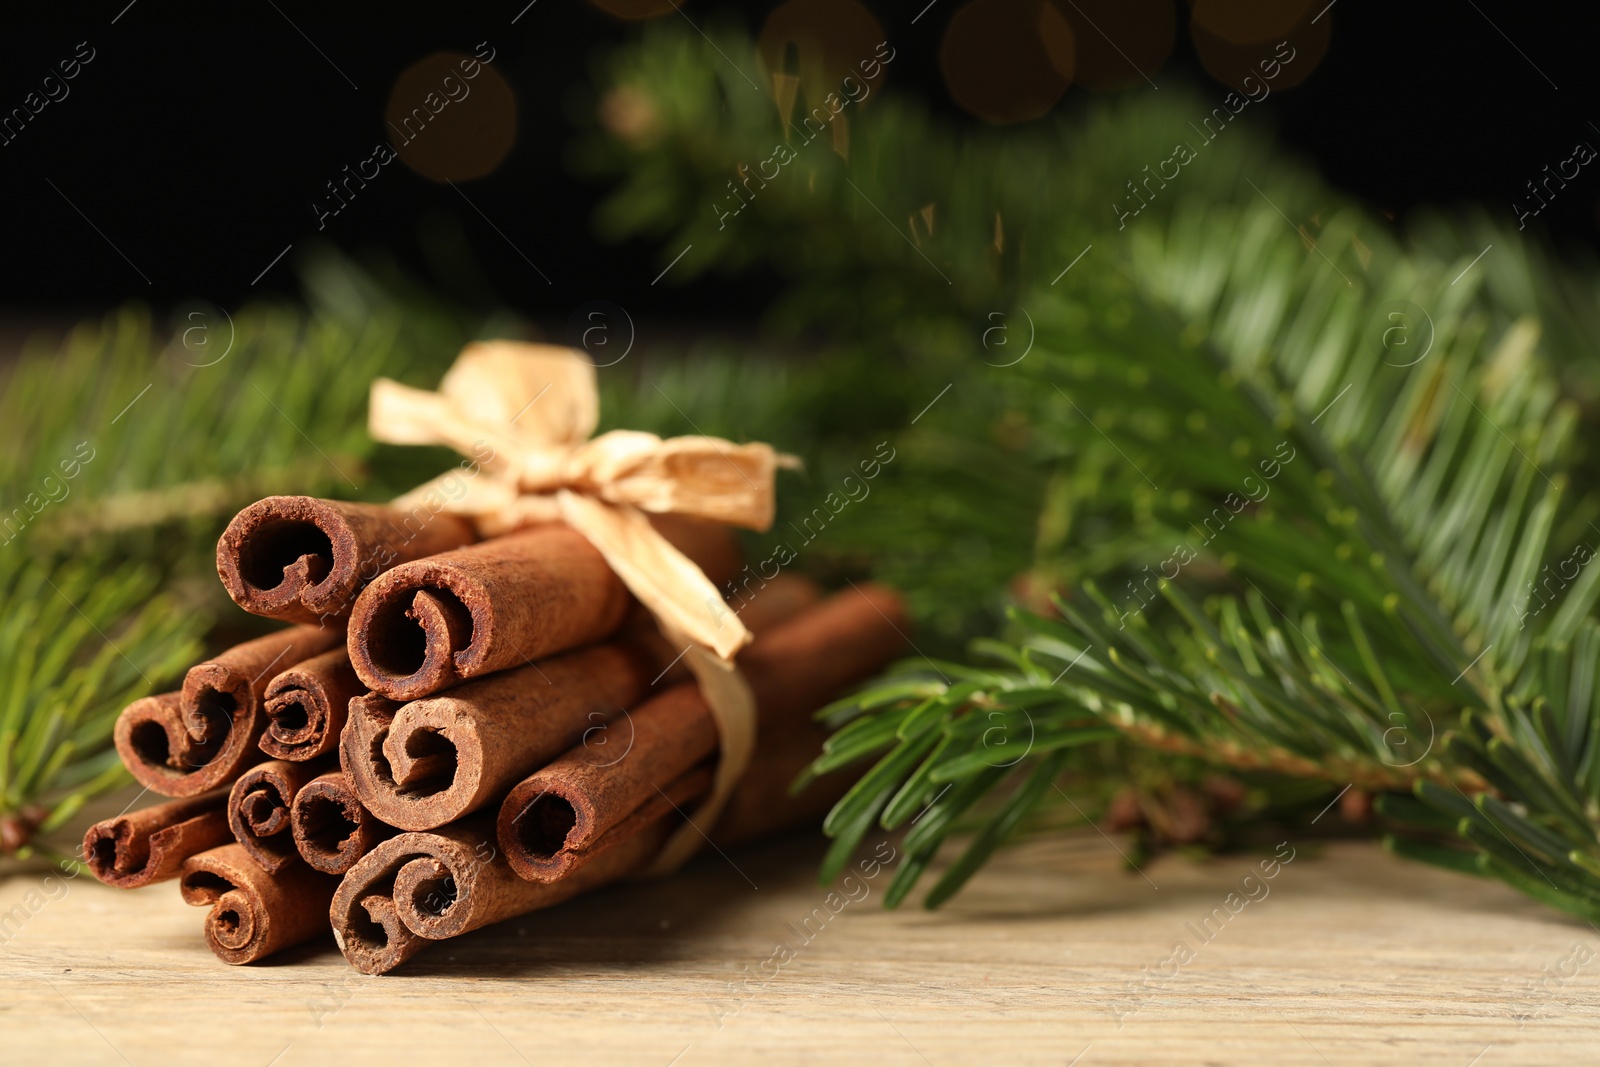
(1350, 957)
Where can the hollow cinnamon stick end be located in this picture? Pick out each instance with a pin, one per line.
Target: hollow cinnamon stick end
(155, 747)
(420, 768)
(332, 829)
(151, 845)
(253, 913)
(305, 560)
(366, 924)
(306, 706)
(258, 813)
(409, 627)
(535, 825)
(297, 725)
(372, 936)
(288, 557)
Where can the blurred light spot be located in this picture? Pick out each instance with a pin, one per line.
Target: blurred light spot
(1276, 61)
(1250, 21)
(447, 125)
(1007, 60)
(634, 9)
(1120, 43)
(631, 116)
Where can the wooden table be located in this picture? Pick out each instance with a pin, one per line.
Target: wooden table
(1054, 955)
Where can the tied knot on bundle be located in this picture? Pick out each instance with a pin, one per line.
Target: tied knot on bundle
(528, 414)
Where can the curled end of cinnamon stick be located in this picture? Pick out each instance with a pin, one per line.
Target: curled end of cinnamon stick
(419, 629)
(151, 845)
(305, 560)
(429, 762)
(420, 887)
(332, 828)
(550, 827)
(182, 746)
(254, 913)
(306, 707)
(539, 828)
(369, 932)
(416, 767)
(187, 743)
(259, 811)
(287, 557)
(404, 883)
(430, 623)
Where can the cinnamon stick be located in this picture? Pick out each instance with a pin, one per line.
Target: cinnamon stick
(795, 671)
(781, 598)
(559, 817)
(556, 819)
(428, 624)
(332, 828)
(425, 626)
(417, 888)
(258, 810)
(429, 762)
(187, 743)
(253, 913)
(304, 560)
(150, 845)
(307, 706)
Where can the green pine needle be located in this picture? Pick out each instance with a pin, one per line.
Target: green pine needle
(1298, 501)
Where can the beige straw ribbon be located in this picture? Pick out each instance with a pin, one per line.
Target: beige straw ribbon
(528, 413)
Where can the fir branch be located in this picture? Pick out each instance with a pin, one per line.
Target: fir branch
(81, 638)
(92, 476)
(1238, 332)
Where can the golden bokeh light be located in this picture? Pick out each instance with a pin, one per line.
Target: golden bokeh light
(451, 117)
(1007, 60)
(1120, 43)
(1278, 61)
(1250, 21)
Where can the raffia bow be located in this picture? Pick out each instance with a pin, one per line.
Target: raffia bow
(527, 413)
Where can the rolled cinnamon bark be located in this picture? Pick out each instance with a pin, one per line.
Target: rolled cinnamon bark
(561, 816)
(258, 810)
(417, 888)
(428, 624)
(332, 828)
(556, 819)
(150, 845)
(780, 599)
(253, 913)
(305, 560)
(187, 743)
(429, 762)
(794, 671)
(513, 600)
(307, 706)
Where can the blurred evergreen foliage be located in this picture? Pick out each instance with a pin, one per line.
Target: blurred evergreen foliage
(1280, 491)
(124, 450)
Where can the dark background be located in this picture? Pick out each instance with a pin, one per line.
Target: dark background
(196, 143)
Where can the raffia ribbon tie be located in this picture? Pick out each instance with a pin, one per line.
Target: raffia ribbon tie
(527, 414)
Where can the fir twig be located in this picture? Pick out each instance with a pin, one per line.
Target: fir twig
(1375, 583)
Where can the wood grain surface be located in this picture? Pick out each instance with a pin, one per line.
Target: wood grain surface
(1054, 955)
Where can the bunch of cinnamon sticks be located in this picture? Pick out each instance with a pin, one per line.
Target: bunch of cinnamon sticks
(457, 731)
